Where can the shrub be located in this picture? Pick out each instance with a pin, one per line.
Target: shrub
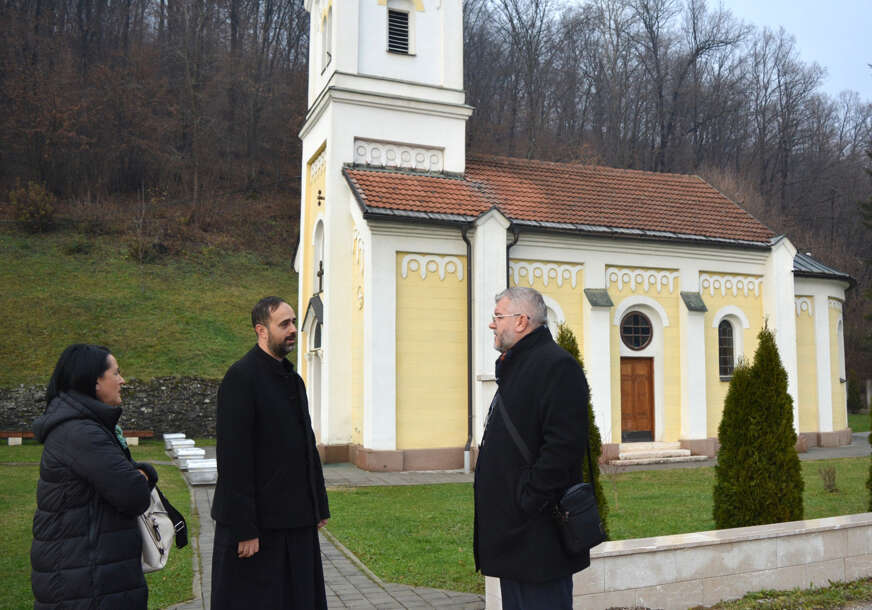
(758, 478)
(34, 207)
(566, 340)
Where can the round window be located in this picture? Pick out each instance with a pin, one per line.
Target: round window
(636, 330)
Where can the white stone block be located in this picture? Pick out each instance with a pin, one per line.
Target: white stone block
(858, 566)
(591, 579)
(639, 570)
(603, 601)
(811, 547)
(187, 451)
(859, 541)
(14, 440)
(202, 476)
(181, 442)
(172, 436)
(723, 559)
(677, 595)
(822, 573)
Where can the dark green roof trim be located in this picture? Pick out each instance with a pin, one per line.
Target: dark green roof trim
(693, 301)
(598, 297)
(805, 266)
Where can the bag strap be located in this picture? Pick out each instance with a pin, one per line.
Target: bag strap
(519, 442)
(178, 520)
(522, 446)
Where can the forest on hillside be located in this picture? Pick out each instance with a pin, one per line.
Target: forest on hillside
(201, 101)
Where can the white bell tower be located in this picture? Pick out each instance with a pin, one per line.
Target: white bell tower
(385, 89)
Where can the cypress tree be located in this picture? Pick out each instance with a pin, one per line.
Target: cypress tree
(566, 340)
(758, 477)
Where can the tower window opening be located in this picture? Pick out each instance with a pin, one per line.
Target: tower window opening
(398, 32)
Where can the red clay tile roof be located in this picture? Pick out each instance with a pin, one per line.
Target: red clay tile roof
(582, 197)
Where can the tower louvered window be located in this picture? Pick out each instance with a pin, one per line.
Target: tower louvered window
(398, 32)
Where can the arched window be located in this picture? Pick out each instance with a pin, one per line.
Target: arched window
(636, 330)
(726, 349)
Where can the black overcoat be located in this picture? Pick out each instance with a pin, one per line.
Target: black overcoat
(269, 471)
(545, 394)
(86, 550)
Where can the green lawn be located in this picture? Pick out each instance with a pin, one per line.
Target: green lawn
(183, 316)
(19, 471)
(858, 422)
(423, 535)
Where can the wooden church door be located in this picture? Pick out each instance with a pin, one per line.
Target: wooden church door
(637, 399)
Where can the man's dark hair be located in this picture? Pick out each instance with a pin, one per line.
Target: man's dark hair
(263, 310)
(78, 368)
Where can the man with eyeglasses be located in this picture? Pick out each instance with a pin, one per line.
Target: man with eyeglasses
(543, 395)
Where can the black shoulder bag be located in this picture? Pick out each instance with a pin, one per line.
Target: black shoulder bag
(576, 513)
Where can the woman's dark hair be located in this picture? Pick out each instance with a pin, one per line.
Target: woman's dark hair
(78, 368)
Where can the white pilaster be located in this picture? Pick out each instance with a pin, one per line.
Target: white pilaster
(597, 349)
(779, 307)
(822, 348)
(380, 382)
(489, 279)
(694, 419)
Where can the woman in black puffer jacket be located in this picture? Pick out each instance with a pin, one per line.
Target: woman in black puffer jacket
(86, 550)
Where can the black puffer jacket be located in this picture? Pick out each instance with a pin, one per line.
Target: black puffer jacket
(86, 550)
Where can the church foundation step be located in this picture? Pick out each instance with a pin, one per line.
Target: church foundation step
(647, 446)
(653, 453)
(658, 460)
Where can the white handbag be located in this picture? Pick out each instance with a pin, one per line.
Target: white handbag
(157, 532)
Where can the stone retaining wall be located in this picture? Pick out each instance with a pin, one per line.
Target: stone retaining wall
(163, 404)
(704, 568)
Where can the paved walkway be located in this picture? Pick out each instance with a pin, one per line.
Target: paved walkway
(350, 584)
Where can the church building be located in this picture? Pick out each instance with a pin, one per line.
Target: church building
(405, 240)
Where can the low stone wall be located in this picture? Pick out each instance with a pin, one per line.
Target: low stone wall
(163, 404)
(704, 568)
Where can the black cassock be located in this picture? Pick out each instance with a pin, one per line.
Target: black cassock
(270, 486)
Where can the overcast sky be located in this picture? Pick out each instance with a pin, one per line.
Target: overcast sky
(836, 34)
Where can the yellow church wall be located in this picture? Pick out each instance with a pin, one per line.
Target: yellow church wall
(663, 287)
(357, 361)
(431, 351)
(720, 290)
(315, 181)
(840, 415)
(560, 278)
(806, 356)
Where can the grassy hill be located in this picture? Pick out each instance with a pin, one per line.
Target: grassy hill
(184, 315)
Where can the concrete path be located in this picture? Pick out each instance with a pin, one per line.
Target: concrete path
(350, 584)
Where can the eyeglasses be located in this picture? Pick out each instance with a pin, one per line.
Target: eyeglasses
(505, 315)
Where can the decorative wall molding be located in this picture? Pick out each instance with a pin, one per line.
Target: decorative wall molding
(730, 283)
(431, 263)
(318, 164)
(357, 246)
(647, 278)
(836, 304)
(531, 271)
(390, 154)
(804, 305)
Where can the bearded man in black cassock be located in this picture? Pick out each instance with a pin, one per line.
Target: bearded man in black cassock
(270, 499)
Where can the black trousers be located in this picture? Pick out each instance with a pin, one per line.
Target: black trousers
(285, 574)
(551, 595)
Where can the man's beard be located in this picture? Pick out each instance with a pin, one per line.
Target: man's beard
(279, 347)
